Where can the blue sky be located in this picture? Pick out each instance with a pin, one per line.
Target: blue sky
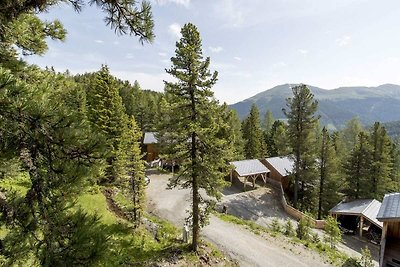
(253, 44)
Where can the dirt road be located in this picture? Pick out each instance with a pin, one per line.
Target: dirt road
(245, 247)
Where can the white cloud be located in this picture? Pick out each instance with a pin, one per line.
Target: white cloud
(343, 41)
(184, 3)
(129, 56)
(162, 54)
(231, 11)
(175, 30)
(303, 51)
(237, 58)
(116, 43)
(216, 49)
(152, 81)
(279, 65)
(99, 41)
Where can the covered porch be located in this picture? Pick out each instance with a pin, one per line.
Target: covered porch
(249, 170)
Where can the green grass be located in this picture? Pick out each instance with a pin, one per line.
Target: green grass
(96, 204)
(250, 225)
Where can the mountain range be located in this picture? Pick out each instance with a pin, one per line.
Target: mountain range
(336, 106)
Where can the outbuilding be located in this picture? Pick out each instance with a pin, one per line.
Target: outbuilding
(389, 215)
(150, 144)
(359, 215)
(249, 169)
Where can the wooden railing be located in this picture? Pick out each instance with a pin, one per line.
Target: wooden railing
(319, 224)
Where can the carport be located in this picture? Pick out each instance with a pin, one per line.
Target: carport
(358, 213)
(249, 169)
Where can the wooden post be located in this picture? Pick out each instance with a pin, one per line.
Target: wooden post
(361, 225)
(383, 244)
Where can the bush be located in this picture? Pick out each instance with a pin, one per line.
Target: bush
(333, 234)
(366, 258)
(276, 226)
(304, 228)
(289, 229)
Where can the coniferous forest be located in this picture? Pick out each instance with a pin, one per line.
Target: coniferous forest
(72, 168)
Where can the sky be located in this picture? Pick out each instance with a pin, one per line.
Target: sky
(253, 44)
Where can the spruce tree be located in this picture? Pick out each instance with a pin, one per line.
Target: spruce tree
(268, 121)
(191, 126)
(301, 124)
(329, 176)
(382, 161)
(350, 133)
(254, 147)
(107, 115)
(135, 170)
(357, 168)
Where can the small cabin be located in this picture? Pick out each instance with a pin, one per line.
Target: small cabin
(389, 215)
(250, 169)
(150, 144)
(280, 169)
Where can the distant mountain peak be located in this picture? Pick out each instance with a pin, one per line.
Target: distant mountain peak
(336, 106)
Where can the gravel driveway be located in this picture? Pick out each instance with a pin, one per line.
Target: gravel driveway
(242, 245)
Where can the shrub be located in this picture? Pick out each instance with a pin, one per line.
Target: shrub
(289, 228)
(304, 228)
(276, 226)
(333, 234)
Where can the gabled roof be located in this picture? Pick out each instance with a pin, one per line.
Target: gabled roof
(249, 167)
(390, 209)
(149, 138)
(367, 207)
(283, 165)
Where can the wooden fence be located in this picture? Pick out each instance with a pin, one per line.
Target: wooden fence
(319, 224)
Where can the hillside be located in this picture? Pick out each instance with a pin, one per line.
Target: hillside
(336, 106)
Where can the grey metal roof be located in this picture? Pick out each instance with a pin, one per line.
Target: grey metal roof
(367, 207)
(149, 138)
(249, 167)
(390, 209)
(283, 165)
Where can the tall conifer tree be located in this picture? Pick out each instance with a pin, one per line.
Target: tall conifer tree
(301, 124)
(254, 142)
(192, 125)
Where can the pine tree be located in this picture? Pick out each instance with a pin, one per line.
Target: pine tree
(58, 153)
(268, 122)
(191, 126)
(107, 115)
(254, 147)
(357, 168)
(301, 123)
(136, 170)
(382, 162)
(350, 133)
(329, 176)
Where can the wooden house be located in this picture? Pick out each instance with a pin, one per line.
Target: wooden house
(150, 144)
(389, 214)
(280, 169)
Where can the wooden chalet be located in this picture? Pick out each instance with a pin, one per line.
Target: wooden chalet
(389, 214)
(280, 169)
(252, 169)
(150, 144)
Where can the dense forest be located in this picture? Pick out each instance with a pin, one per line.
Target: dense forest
(71, 144)
(329, 166)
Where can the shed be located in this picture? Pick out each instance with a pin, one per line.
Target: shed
(249, 169)
(389, 215)
(150, 146)
(360, 210)
(281, 168)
